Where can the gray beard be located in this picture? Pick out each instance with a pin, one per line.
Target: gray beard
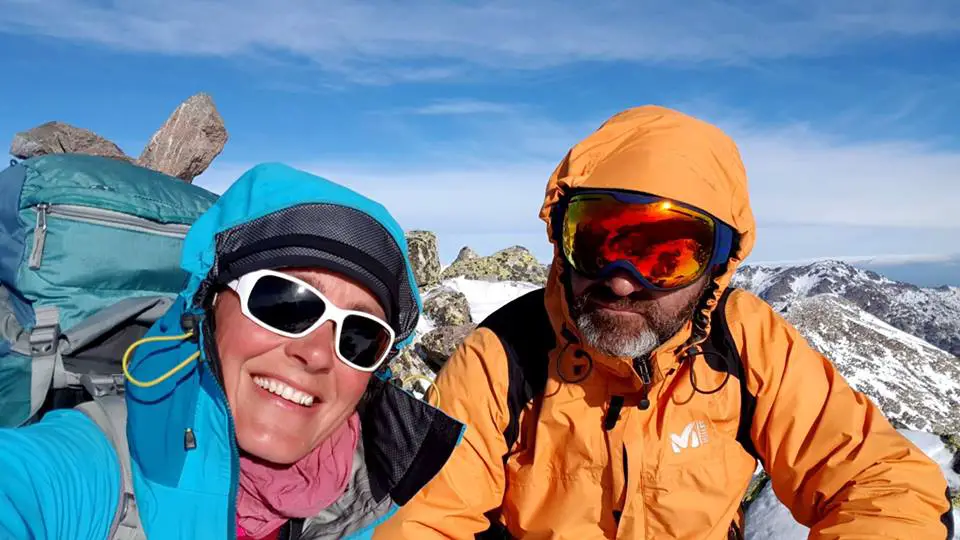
(614, 344)
(606, 335)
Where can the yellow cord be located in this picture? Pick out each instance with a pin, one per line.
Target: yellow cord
(430, 386)
(165, 376)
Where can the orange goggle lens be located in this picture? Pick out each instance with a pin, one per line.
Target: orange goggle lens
(666, 244)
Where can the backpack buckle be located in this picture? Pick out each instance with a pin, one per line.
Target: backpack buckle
(46, 332)
(102, 385)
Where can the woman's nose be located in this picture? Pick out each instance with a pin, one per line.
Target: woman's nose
(317, 350)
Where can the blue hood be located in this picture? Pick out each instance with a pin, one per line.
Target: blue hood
(180, 431)
(273, 188)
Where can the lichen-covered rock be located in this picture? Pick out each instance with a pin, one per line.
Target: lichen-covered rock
(438, 344)
(424, 257)
(62, 138)
(757, 483)
(446, 307)
(411, 372)
(515, 263)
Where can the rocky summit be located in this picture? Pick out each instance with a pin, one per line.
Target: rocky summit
(515, 263)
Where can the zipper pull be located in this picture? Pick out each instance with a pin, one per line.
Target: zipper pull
(39, 236)
(641, 365)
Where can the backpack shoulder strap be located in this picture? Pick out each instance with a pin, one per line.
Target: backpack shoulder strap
(524, 329)
(110, 414)
(721, 343)
(527, 337)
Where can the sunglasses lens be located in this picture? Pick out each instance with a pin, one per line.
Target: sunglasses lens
(668, 244)
(363, 341)
(284, 305)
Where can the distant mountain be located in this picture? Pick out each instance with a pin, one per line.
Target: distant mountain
(929, 313)
(930, 272)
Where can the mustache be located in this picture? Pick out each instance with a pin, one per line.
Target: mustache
(600, 294)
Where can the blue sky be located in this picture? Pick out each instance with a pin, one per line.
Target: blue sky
(454, 114)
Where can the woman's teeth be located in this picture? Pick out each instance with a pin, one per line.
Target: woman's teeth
(285, 391)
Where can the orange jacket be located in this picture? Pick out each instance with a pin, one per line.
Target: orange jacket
(833, 458)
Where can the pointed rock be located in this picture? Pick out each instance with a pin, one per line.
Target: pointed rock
(424, 257)
(189, 140)
(466, 254)
(62, 138)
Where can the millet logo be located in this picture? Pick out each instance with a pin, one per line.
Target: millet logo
(693, 435)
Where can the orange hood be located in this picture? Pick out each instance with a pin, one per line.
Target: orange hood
(663, 152)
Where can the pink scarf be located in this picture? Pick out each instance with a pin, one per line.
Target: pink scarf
(270, 495)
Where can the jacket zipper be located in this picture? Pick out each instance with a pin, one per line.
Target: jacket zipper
(641, 365)
(96, 216)
(209, 358)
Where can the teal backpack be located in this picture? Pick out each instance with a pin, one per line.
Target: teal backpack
(89, 259)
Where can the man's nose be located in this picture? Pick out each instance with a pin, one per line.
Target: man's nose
(317, 350)
(621, 283)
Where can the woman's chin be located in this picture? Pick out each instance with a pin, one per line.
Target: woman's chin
(270, 442)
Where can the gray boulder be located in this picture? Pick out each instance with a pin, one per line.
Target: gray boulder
(62, 138)
(438, 344)
(447, 308)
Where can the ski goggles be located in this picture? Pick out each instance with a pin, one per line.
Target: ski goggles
(664, 244)
(290, 307)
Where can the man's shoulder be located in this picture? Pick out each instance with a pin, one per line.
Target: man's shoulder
(745, 308)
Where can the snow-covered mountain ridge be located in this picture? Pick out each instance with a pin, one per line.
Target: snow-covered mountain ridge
(929, 313)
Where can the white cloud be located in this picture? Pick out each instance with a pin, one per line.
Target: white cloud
(804, 177)
(460, 106)
(381, 41)
(814, 194)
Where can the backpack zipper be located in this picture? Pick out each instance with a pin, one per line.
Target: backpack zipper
(96, 216)
(39, 236)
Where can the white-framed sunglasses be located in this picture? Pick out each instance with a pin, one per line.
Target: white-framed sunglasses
(293, 308)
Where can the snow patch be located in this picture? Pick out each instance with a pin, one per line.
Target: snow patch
(767, 517)
(934, 447)
(762, 278)
(803, 284)
(485, 297)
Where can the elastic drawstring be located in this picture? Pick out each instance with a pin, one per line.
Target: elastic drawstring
(165, 376)
(417, 376)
